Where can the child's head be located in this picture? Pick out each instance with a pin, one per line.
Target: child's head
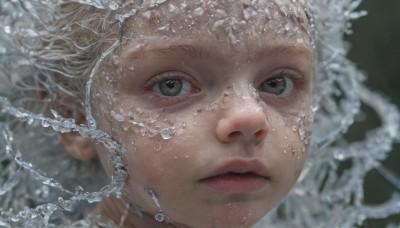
(213, 105)
(209, 105)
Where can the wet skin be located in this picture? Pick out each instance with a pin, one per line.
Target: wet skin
(234, 111)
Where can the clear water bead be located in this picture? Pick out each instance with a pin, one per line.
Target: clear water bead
(117, 117)
(158, 1)
(167, 133)
(159, 216)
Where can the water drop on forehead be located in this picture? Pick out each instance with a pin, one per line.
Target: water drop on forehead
(249, 12)
(199, 11)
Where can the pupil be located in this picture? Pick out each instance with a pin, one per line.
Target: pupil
(170, 84)
(273, 83)
(171, 87)
(275, 86)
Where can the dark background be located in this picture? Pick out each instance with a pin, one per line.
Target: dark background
(375, 48)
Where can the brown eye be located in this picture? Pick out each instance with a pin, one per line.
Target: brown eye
(172, 87)
(279, 86)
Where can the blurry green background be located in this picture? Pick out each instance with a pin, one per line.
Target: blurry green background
(376, 50)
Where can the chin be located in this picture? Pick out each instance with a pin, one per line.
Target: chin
(239, 215)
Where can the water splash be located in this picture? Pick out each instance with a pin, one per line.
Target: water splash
(159, 216)
(327, 198)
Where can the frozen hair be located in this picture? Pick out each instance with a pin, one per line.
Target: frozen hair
(50, 50)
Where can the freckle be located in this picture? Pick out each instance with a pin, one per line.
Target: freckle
(199, 111)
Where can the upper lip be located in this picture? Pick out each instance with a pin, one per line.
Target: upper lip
(240, 166)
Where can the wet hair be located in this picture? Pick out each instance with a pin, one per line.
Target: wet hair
(71, 42)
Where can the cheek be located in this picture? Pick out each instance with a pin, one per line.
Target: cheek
(155, 161)
(290, 138)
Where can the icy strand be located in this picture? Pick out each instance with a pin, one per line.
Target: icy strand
(159, 216)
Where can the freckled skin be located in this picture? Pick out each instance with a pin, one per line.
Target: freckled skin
(236, 120)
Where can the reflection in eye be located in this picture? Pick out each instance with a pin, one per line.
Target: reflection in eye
(279, 86)
(172, 87)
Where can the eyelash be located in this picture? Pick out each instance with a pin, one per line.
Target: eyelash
(296, 78)
(148, 86)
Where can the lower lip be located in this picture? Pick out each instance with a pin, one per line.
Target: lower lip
(230, 183)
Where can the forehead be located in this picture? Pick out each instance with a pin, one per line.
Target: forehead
(232, 21)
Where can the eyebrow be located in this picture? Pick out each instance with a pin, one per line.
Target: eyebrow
(197, 51)
(282, 50)
(193, 51)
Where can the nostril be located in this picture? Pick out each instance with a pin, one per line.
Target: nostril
(234, 134)
(260, 134)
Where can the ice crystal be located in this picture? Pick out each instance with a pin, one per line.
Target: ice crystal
(167, 133)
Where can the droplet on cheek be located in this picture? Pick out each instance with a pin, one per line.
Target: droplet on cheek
(117, 117)
(159, 216)
(167, 133)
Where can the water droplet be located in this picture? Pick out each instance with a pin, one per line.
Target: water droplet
(121, 17)
(167, 133)
(7, 29)
(159, 216)
(199, 11)
(249, 12)
(30, 120)
(45, 123)
(171, 8)
(125, 127)
(158, 1)
(158, 147)
(117, 117)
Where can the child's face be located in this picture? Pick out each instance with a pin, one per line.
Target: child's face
(213, 107)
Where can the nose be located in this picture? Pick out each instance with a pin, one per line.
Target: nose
(242, 122)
